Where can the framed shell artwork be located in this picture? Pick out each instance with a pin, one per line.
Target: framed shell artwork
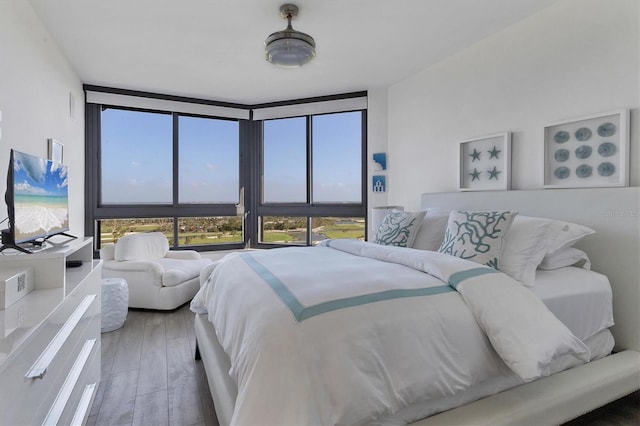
(587, 152)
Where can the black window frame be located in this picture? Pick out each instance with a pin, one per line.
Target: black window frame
(310, 209)
(250, 175)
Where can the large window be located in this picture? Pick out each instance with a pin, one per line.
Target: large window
(168, 172)
(313, 166)
(224, 176)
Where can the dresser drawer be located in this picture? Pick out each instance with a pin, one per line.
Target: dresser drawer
(90, 287)
(24, 399)
(81, 369)
(77, 409)
(50, 344)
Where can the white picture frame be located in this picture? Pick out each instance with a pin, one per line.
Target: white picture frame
(55, 150)
(485, 163)
(590, 151)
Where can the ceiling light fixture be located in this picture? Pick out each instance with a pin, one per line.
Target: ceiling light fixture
(289, 48)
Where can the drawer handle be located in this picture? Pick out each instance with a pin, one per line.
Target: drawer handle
(39, 368)
(83, 405)
(70, 382)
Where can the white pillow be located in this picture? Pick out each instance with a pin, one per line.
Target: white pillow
(143, 246)
(567, 234)
(477, 235)
(399, 228)
(525, 245)
(568, 256)
(431, 231)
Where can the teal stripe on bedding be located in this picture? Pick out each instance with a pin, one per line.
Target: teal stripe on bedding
(302, 313)
(364, 299)
(456, 278)
(281, 290)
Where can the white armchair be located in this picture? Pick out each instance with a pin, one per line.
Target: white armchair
(157, 277)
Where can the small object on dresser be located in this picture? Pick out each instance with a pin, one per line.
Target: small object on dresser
(74, 263)
(14, 285)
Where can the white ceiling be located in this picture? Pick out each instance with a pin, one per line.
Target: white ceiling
(213, 49)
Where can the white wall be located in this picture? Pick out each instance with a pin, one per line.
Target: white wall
(377, 129)
(572, 59)
(35, 88)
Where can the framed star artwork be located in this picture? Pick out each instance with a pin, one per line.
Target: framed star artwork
(590, 151)
(485, 163)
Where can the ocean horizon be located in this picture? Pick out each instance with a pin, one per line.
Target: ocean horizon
(49, 201)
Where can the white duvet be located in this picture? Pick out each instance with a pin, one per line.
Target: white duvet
(350, 332)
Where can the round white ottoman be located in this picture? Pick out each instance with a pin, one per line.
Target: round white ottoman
(115, 303)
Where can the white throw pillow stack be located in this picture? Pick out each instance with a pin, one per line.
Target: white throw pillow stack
(516, 244)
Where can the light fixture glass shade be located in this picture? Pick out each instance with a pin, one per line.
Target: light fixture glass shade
(289, 48)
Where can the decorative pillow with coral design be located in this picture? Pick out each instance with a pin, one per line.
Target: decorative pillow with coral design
(477, 235)
(399, 228)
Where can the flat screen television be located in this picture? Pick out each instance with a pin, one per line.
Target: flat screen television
(37, 200)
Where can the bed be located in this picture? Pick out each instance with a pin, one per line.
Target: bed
(480, 386)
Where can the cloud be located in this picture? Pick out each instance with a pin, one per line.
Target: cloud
(55, 167)
(26, 189)
(62, 172)
(35, 167)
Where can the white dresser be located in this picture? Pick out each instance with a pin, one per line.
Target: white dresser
(50, 339)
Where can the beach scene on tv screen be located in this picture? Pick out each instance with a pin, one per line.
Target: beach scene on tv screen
(40, 197)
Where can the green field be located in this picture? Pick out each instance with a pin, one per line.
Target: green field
(277, 237)
(226, 230)
(344, 231)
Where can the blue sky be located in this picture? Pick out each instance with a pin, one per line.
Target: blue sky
(137, 157)
(137, 152)
(37, 176)
(336, 158)
(209, 158)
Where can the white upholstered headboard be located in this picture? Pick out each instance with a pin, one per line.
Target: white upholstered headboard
(614, 213)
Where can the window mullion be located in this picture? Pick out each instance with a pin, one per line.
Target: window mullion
(309, 143)
(364, 172)
(176, 165)
(309, 172)
(251, 177)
